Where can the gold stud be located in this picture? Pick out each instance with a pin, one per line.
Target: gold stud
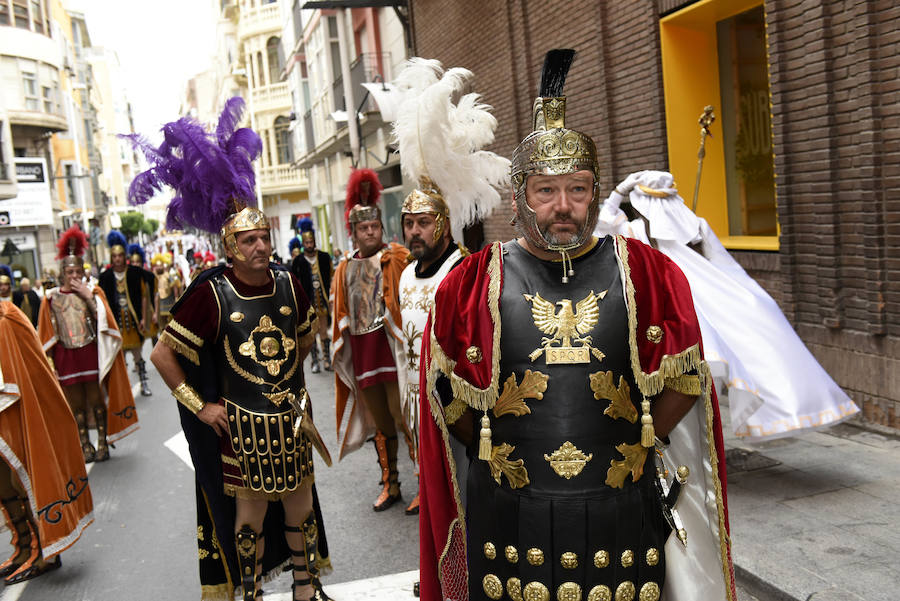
(569, 560)
(256, 478)
(512, 555)
(258, 419)
(231, 418)
(535, 591)
(625, 591)
(290, 458)
(287, 418)
(600, 592)
(627, 558)
(492, 586)
(235, 440)
(265, 461)
(652, 556)
(248, 440)
(268, 480)
(244, 418)
(276, 461)
(290, 478)
(514, 588)
(273, 420)
(262, 442)
(601, 558)
(654, 334)
(279, 480)
(649, 592)
(568, 591)
(535, 557)
(473, 354)
(253, 460)
(490, 551)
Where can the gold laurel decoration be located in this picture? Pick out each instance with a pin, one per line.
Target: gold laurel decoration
(620, 397)
(514, 471)
(634, 454)
(512, 399)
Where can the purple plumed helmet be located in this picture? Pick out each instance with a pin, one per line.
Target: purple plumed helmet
(211, 173)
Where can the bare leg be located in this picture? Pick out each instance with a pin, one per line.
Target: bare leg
(94, 402)
(77, 398)
(297, 506)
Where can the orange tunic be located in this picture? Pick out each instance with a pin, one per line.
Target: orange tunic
(40, 437)
(120, 408)
(354, 424)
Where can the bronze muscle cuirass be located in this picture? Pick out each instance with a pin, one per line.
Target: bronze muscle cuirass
(72, 320)
(365, 298)
(557, 505)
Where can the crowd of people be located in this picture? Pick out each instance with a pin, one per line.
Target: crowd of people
(552, 391)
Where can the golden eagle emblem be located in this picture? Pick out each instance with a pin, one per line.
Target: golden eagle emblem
(564, 326)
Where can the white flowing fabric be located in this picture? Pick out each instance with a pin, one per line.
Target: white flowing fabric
(775, 385)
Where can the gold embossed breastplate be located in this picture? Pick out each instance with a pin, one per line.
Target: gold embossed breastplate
(365, 298)
(72, 320)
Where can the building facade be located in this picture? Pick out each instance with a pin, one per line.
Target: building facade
(338, 125)
(800, 175)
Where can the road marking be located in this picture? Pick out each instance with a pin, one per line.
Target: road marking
(135, 390)
(178, 445)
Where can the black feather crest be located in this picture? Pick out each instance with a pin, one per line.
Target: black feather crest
(556, 68)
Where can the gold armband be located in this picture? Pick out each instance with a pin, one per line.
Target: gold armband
(188, 397)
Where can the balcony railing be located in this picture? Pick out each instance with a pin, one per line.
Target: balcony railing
(281, 178)
(259, 19)
(275, 97)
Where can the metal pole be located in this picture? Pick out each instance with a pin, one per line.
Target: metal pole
(706, 119)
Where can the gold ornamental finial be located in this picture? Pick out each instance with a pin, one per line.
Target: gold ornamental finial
(706, 119)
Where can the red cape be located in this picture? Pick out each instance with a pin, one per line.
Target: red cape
(666, 346)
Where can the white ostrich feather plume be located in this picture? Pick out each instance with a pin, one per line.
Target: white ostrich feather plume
(443, 140)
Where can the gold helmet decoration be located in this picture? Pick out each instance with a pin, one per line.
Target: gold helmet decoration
(70, 248)
(245, 220)
(440, 130)
(553, 149)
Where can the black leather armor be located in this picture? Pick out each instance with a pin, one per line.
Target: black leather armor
(261, 367)
(561, 524)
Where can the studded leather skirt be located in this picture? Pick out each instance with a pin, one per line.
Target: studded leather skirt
(261, 459)
(596, 548)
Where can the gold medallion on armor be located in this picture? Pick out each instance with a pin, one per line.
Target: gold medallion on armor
(564, 326)
(268, 346)
(567, 461)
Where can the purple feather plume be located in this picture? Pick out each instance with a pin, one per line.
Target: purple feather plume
(209, 173)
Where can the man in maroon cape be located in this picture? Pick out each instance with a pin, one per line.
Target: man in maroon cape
(606, 412)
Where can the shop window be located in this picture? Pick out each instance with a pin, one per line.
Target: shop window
(714, 53)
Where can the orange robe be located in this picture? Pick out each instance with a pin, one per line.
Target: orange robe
(121, 413)
(39, 436)
(354, 423)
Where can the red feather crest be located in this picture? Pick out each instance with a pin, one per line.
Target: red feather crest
(357, 178)
(72, 242)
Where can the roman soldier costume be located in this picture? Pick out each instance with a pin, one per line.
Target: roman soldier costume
(29, 302)
(239, 346)
(137, 257)
(85, 347)
(471, 178)
(557, 364)
(125, 291)
(168, 287)
(317, 271)
(44, 492)
(367, 342)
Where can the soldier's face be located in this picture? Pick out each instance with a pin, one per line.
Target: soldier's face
(5, 287)
(560, 203)
(418, 232)
(256, 246)
(309, 243)
(367, 235)
(117, 259)
(73, 273)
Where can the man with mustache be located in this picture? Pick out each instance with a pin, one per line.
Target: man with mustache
(567, 364)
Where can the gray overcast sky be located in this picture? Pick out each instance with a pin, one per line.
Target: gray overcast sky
(161, 44)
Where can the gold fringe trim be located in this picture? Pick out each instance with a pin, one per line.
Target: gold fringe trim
(180, 347)
(454, 411)
(477, 398)
(706, 382)
(685, 384)
(218, 592)
(670, 366)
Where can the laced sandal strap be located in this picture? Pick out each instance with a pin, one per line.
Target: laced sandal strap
(292, 528)
(10, 499)
(302, 581)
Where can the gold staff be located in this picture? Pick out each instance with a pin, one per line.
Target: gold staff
(706, 119)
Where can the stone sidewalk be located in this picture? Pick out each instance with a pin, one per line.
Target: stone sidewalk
(815, 517)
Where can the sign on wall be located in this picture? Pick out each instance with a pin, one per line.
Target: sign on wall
(33, 205)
